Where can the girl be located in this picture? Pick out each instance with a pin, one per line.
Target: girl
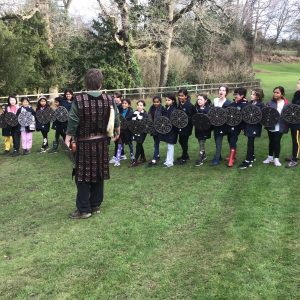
(8, 141)
(43, 128)
(295, 131)
(275, 133)
(252, 130)
(202, 106)
(171, 137)
(26, 132)
(184, 133)
(139, 114)
(155, 111)
(220, 131)
(13, 107)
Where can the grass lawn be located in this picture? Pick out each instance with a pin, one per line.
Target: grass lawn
(180, 233)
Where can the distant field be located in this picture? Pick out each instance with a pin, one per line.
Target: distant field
(273, 75)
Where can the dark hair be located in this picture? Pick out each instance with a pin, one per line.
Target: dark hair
(226, 88)
(58, 99)
(141, 101)
(156, 97)
(127, 100)
(68, 91)
(93, 79)
(118, 94)
(184, 91)
(25, 98)
(208, 102)
(280, 88)
(240, 91)
(171, 96)
(11, 96)
(259, 93)
(38, 105)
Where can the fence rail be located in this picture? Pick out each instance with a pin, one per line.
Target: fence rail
(144, 92)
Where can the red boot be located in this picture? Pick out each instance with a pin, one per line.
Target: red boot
(231, 157)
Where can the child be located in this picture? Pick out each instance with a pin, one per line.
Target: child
(202, 105)
(13, 107)
(295, 131)
(240, 101)
(184, 133)
(220, 131)
(275, 133)
(171, 137)
(8, 140)
(155, 111)
(26, 132)
(252, 131)
(43, 128)
(139, 114)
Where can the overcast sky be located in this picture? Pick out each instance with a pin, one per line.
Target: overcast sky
(87, 9)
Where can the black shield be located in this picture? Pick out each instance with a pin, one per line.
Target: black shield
(251, 114)
(234, 116)
(217, 116)
(163, 125)
(270, 116)
(25, 118)
(11, 119)
(149, 127)
(179, 118)
(123, 122)
(61, 114)
(201, 121)
(136, 126)
(2, 121)
(291, 113)
(45, 116)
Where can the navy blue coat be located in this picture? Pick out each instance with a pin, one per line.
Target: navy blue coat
(139, 138)
(222, 130)
(296, 100)
(172, 136)
(154, 113)
(29, 109)
(125, 134)
(202, 134)
(42, 127)
(236, 130)
(254, 130)
(189, 109)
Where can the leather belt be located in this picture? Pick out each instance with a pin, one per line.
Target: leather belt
(92, 138)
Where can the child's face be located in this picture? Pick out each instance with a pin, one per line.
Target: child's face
(182, 97)
(25, 103)
(201, 101)
(238, 97)
(140, 106)
(156, 103)
(69, 96)
(168, 102)
(277, 94)
(12, 101)
(56, 103)
(118, 100)
(298, 86)
(125, 104)
(253, 96)
(43, 102)
(222, 92)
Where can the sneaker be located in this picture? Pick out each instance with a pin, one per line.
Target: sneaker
(152, 163)
(167, 165)
(80, 215)
(181, 162)
(96, 210)
(25, 152)
(291, 164)
(198, 163)
(123, 157)
(245, 164)
(215, 162)
(43, 150)
(253, 158)
(204, 157)
(268, 160)
(277, 162)
(133, 164)
(113, 160)
(15, 153)
(117, 164)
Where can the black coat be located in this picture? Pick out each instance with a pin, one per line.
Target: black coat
(154, 113)
(189, 109)
(139, 138)
(254, 130)
(42, 127)
(62, 126)
(222, 130)
(29, 109)
(283, 125)
(125, 134)
(172, 136)
(202, 134)
(296, 100)
(236, 130)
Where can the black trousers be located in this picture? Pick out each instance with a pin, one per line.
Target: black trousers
(233, 139)
(16, 135)
(295, 141)
(274, 143)
(139, 151)
(184, 143)
(250, 149)
(89, 195)
(60, 132)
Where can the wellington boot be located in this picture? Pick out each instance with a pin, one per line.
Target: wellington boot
(231, 157)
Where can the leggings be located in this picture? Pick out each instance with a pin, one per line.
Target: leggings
(139, 151)
(274, 143)
(250, 149)
(295, 141)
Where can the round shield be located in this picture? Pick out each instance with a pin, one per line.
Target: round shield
(61, 114)
(179, 118)
(270, 116)
(45, 116)
(217, 116)
(201, 121)
(163, 125)
(25, 118)
(251, 114)
(234, 116)
(149, 127)
(123, 122)
(291, 113)
(2, 121)
(11, 119)
(136, 126)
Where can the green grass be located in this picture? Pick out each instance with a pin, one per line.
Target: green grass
(178, 233)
